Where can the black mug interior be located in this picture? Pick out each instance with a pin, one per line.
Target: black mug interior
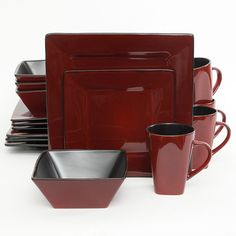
(200, 61)
(170, 129)
(203, 111)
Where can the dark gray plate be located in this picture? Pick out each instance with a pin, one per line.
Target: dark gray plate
(43, 124)
(30, 128)
(25, 144)
(14, 139)
(20, 134)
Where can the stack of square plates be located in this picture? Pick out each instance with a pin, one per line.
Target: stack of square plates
(26, 129)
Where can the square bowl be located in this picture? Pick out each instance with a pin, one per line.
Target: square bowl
(80, 178)
(22, 114)
(35, 101)
(25, 86)
(31, 71)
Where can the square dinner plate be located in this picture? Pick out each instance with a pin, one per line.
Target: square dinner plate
(26, 144)
(30, 123)
(110, 109)
(26, 134)
(116, 51)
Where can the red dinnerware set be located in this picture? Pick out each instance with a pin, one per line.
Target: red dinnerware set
(109, 106)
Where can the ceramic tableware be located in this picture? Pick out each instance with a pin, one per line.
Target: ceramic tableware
(26, 128)
(116, 51)
(170, 146)
(30, 86)
(14, 124)
(22, 114)
(31, 71)
(35, 144)
(80, 178)
(27, 134)
(202, 77)
(119, 106)
(35, 100)
(205, 123)
(211, 103)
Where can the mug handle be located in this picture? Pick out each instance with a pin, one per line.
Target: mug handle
(206, 162)
(223, 120)
(218, 79)
(222, 124)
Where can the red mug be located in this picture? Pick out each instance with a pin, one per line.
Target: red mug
(212, 104)
(202, 77)
(170, 147)
(205, 123)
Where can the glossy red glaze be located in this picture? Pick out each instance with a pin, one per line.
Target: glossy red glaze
(170, 159)
(205, 126)
(223, 116)
(31, 86)
(116, 51)
(79, 195)
(211, 104)
(114, 108)
(202, 76)
(22, 114)
(35, 101)
(30, 78)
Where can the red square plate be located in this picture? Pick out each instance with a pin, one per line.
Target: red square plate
(116, 51)
(111, 110)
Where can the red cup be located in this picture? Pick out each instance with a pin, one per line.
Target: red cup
(170, 147)
(205, 123)
(202, 77)
(212, 104)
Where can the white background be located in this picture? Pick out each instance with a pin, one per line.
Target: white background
(208, 206)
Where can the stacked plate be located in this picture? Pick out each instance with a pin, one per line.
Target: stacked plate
(27, 130)
(31, 86)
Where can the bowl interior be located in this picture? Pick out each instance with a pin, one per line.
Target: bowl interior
(88, 164)
(31, 68)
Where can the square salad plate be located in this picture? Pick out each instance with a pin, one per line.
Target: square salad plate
(110, 109)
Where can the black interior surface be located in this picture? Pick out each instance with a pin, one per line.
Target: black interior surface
(199, 62)
(81, 164)
(201, 111)
(170, 129)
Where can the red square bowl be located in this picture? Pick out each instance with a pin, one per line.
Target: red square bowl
(35, 101)
(80, 178)
(31, 71)
(25, 86)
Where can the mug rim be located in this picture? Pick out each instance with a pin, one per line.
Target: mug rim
(205, 103)
(208, 62)
(191, 129)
